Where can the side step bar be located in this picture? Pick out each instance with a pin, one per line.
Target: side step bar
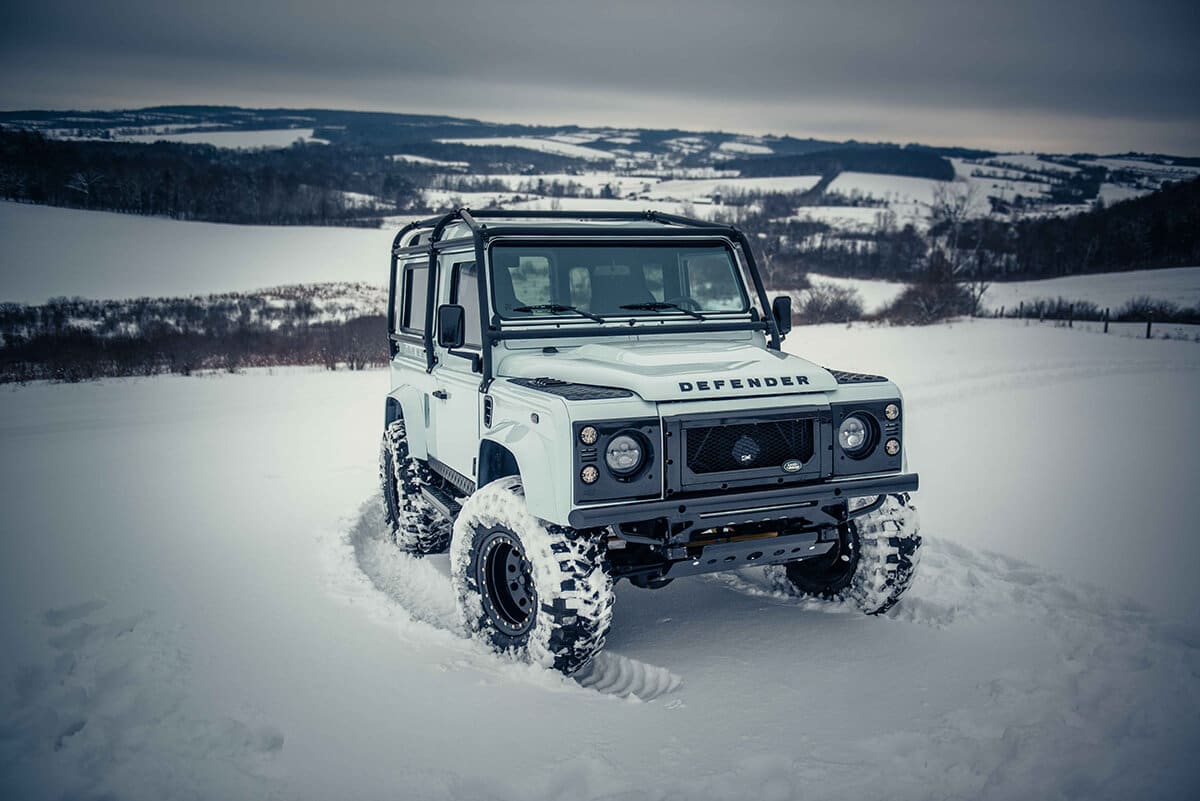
(442, 501)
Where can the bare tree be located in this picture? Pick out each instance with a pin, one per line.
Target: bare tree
(951, 209)
(85, 182)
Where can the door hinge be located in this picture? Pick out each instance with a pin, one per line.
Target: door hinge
(440, 394)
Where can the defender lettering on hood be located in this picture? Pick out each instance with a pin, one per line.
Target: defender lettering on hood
(717, 384)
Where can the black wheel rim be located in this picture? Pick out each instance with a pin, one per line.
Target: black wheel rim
(506, 583)
(831, 572)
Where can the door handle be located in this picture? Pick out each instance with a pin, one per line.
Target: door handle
(440, 394)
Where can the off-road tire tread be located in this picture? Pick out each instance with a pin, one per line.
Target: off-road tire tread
(416, 526)
(574, 588)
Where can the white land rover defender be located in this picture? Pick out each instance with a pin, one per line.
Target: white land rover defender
(578, 398)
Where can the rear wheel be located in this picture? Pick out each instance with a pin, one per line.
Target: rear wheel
(873, 563)
(526, 586)
(417, 527)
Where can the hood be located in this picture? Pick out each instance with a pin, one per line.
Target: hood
(677, 370)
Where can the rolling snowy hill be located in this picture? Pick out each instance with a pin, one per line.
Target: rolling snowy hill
(196, 602)
(642, 164)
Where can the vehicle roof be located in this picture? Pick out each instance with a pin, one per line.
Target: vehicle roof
(493, 222)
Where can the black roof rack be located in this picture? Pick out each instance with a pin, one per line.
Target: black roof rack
(659, 223)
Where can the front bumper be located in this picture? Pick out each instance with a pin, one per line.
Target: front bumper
(712, 511)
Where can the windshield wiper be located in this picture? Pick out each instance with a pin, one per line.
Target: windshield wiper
(658, 305)
(555, 308)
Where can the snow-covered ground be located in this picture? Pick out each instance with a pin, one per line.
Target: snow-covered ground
(283, 137)
(1179, 285)
(195, 602)
(555, 146)
(50, 252)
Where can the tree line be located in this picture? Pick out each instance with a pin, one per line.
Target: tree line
(299, 185)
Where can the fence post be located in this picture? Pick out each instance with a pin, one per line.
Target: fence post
(1106, 320)
(1071, 316)
(1001, 312)
(1149, 320)
(1021, 310)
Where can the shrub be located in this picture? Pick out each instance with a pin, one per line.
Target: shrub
(828, 303)
(929, 302)
(1144, 308)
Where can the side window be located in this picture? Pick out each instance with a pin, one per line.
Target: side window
(412, 312)
(464, 290)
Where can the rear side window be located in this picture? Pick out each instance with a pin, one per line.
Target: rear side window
(464, 290)
(412, 310)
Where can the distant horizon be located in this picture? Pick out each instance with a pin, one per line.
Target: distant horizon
(773, 133)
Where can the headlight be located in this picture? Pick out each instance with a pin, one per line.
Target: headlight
(624, 454)
(854, 435)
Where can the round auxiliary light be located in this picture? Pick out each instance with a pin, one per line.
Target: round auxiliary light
(746, 450)
(624, 454)
(588, 435)
(892, 447)
(891, 411)
(589, 474)
(854, 435)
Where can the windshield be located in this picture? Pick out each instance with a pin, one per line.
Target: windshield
(531, 280)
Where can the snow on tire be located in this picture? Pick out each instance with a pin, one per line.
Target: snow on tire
(416, 526)
(529, 587)
(876, 564)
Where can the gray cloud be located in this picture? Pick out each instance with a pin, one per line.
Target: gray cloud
(1069, 75)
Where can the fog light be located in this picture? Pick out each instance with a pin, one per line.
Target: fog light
(588, 435)
(589, 474)
(891, 411)
(892, 447)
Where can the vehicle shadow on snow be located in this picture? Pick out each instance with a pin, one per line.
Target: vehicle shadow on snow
(421, 587)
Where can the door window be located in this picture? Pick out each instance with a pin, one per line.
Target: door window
(464, 290)
(416, 287)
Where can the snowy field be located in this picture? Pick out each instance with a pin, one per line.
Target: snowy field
(548, 145)
(51, 252)
(196, 603)
(283, 137)
(1178, 285)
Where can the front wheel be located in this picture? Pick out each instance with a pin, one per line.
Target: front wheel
(873, 563)
(526, 586)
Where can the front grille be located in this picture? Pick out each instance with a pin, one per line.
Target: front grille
(748, 446)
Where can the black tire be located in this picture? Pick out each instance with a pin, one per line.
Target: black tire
(873, 564)
(529, 587)
(417, 527)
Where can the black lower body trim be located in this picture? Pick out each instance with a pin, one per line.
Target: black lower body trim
(712, 511)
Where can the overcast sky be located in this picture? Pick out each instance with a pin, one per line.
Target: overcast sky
(1022, 74)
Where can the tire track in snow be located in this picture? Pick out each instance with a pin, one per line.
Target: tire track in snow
(421, 588)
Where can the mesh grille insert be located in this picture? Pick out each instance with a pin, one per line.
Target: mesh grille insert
(748, 446)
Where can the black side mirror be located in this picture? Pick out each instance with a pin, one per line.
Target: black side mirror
(452, 326)
(781, 310)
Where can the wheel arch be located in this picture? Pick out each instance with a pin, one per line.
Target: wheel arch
(518, 454)
(408, 404)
